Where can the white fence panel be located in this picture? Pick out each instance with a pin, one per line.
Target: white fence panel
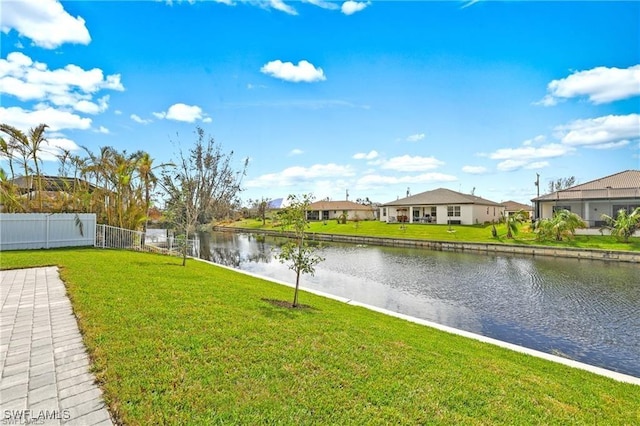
(24, 231)
(156, 241)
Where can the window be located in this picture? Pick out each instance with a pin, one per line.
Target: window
(384, 212)
(628, 208)
(433, 211)
(558, 208)
(453, 211)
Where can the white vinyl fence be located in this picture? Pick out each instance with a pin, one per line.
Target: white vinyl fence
(23, 231)
(28, 231)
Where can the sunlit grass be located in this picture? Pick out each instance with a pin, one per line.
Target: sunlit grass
(200, 345)
(455, 233)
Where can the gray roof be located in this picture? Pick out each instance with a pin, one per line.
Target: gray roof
(441, 196)
(50, 183)
(625, 184)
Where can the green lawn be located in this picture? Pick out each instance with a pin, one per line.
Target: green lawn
(200, 345)
(460, 233)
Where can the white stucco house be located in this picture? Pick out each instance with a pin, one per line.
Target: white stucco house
(592, 199)
(441, 206)
(326, 210)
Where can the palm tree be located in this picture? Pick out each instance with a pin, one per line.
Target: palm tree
(512, 221)
(7, 151)
(562, 224)
(98, 168)
(624, 225)
(148, 179)
(29, 145)
(9, 197)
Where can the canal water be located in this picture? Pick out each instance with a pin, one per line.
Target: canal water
(584, 310)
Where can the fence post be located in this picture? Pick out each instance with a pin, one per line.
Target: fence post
(46, 244)
(95, 226)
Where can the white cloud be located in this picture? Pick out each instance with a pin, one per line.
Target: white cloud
(529, 152)
(103, 130)
(375, 180)
(324, 4)
(70, 86)
(55, 119)
(469, 3)
(43, 21)
(304, 71)
(300, 175)
(282, 7)
(89, 107)
(139, 119)
(537, 165)
(295, 151)
(474, 170)
(610, 131)
(408, 163)
(535, 141)
(416, 138)
(611, 145)
(510, 165)
(528, 156)
(366, 156)
(54, 146)
(600, 85)
(350, 7)
(183, 112)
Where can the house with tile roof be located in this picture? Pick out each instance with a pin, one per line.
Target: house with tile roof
(327, 210)
(441, 206)
(592, 199)
(512, 207)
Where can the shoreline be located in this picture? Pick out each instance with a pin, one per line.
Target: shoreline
(490, 248)
(612, 374)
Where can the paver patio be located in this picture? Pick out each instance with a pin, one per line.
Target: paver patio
(45, 367)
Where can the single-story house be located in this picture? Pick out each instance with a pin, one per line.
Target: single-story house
(592, 199)
(327, 210)
(512, 207)
(56, 193)
(28, 185)
(441, 206)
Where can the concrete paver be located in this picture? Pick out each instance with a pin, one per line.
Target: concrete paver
(45, 375)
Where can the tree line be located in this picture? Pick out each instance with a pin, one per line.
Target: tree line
(121, 188)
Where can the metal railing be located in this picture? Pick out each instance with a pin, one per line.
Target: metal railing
(126, 239)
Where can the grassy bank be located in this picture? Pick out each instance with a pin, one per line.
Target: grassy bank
(201, 345)
(456, 233)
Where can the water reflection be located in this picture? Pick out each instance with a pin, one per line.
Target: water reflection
(584, 310)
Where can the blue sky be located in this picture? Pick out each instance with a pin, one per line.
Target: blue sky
(375, 98)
